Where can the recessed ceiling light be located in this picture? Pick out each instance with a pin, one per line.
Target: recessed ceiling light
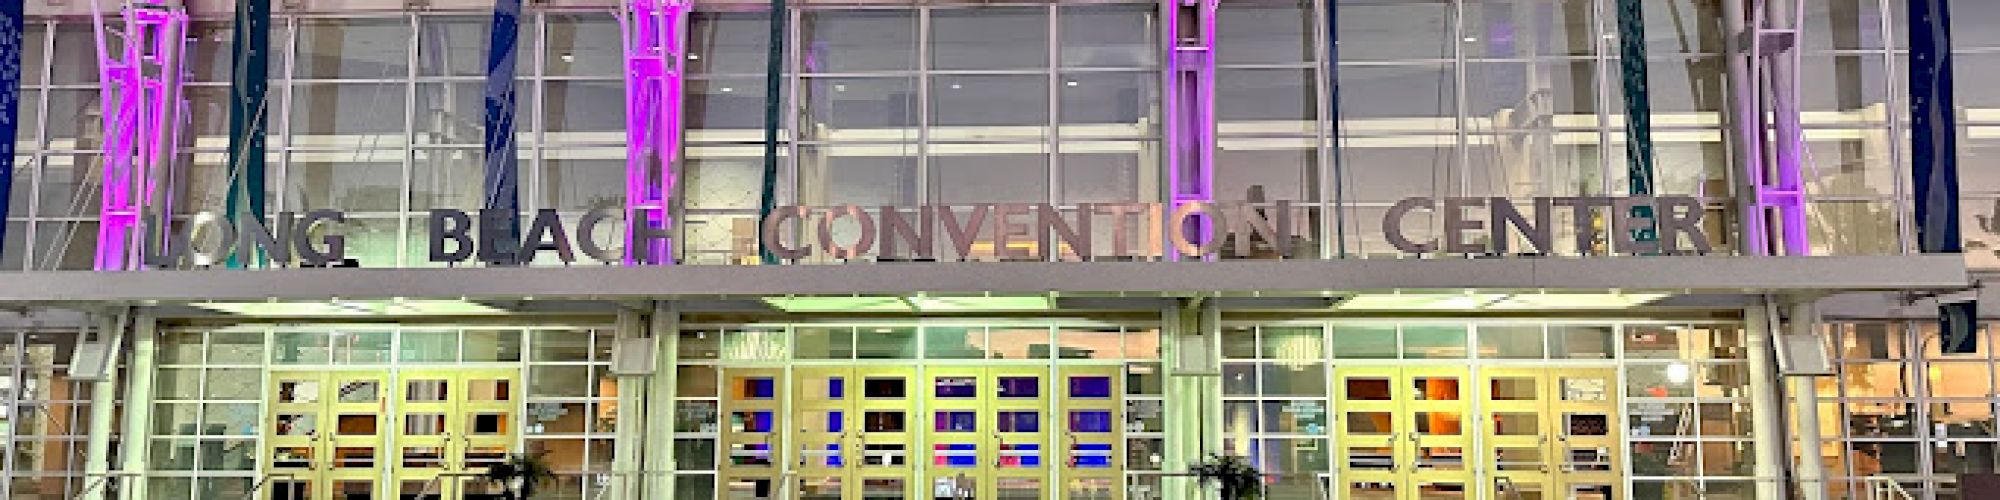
(957, 86)
(728, 89)
(568, 57)
(1071, 83)
(694, 57)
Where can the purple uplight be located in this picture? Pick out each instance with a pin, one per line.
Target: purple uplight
(655, 51)
(143, 108)
(1190, 105)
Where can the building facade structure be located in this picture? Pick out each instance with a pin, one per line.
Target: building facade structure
(1381, 249)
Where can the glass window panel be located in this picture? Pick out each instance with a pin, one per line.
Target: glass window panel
(1962, 419)
(233, 383)
(1239, 342)
(1434, 342)
(178, 383)
(1659, 380)
(695, 381)
(1881, 419)
(955, 342)
(887, 343)
(1239, 379)
(1281, 171)
(455, 113)
(1581, 341)
(1144, 379)
(353, 48)
(176, 419)
(1107, 343)
(1108, 35)
(1294, 379)
(1854, 228)
(725, 109)
(1265, 33)
(728, 42)
(69, 186)
(1096, 105)
(1394, 30)
(863, 175)
(1124, 172)
(229, 419)
(1511, 342)
(458, 46)
(1960, 380)
(1392, 168)
(1292, 342)
(1528, 95)
(823, 342)
(1873, 458)
(858, 40)
(1293, 417)
(1265, 101)
(1364, 342)
(348, 115)
(361, 181)
(880, 108)
(235, 347)
(360, 346)
(977, 176)
(584, 111)
(492, 345)
(13, 251)
(300, 348)
(968, 107)
(584, 44)
(429, 346)
(989, 38)
(559, 381)
(1529, 28)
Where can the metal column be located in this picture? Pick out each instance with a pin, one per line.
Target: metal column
(103, 403)
(655, 36)
(1189, 101)
(659, 462)
(133, 442)
(1193, 402)
(1803, 322)
(626, 474)
(1766, 431)
(1769, 143)
(143, 110)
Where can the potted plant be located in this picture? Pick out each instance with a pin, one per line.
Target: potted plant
(519, 474)
(1234, 475)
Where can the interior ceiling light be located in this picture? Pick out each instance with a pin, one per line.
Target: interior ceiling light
(1495, 301)
(349, 308)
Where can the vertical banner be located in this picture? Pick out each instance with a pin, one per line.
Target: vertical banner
(1933, 128)
(10, 101)
(249, 114)
(503, 197)
(774, 65)
(1638, 108)
(1333, 114)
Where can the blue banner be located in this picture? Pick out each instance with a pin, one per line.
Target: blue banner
(1933, 128)
(249, 113)
(502, 165)
(10, 101)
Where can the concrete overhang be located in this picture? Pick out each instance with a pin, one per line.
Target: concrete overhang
(1676, 274)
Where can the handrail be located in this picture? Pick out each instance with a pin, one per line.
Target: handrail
(261, 481)
(439, 480)
(1887, 488)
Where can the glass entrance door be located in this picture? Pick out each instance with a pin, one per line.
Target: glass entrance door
(325, 438)
(988, 435)
(1549, 433)
(853, 432)
(1093, 447)
(752, 409)
(452, 425)
(1401, 432)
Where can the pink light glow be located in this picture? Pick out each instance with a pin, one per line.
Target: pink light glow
(142, 106)
(655, 51)
(1190, 105)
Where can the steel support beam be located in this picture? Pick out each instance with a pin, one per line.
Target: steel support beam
(143, 110)
(655, 35)
(1769, 143)
(1189, 103)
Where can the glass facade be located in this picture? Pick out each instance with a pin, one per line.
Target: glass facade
(377, 111)
(380, 115)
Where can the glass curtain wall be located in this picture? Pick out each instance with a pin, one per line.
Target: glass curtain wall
(1684, 393)
(1899, 407)
(210, 388)
(46, 416)
(704, 350)
(381, 115)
